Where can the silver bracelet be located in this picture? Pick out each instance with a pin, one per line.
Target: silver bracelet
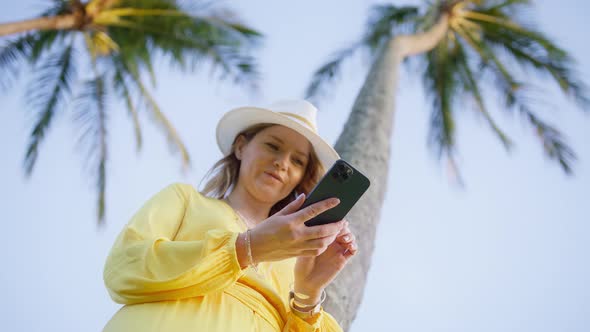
(249, 251)
(297, 306)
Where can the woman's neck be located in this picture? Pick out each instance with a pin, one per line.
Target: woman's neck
(249, 207)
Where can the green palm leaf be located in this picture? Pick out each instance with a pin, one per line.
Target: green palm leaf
(121, 85)
(533, 51)
(326, 74)
(385, 21)
(90, 118)
(187, 40)
(552, 141)
(472, 88)
(13, 55)
(47, 92)
(129, 77)
(172, 135)
(440, 78)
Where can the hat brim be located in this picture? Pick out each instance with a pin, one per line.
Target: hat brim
(239, 119)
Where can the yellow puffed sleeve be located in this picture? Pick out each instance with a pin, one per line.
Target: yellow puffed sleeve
(322, 322)
(147, 264)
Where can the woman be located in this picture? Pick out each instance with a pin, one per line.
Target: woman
(242, 260)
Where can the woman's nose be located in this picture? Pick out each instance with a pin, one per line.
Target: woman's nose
(281, 161)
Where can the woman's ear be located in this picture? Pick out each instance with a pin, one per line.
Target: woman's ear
(239, 146)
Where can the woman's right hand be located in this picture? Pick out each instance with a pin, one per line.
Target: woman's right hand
(284, 234)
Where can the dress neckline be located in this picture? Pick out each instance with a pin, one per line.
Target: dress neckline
(237, 217)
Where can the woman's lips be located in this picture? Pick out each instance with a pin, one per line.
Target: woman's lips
(276, 177)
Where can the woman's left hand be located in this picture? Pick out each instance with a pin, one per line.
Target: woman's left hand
(314, 273)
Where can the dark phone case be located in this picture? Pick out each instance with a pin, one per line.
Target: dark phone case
(349, 191)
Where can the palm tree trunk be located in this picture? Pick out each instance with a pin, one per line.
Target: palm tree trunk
(365, 142)
(62, 22)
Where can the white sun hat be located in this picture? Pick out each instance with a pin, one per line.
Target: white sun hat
(299, 115)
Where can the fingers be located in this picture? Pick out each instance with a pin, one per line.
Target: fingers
(346, 238)
(344, 229)
(351, 245)
(323, 242)
(348, 241)
(312, 252)
(322, 231)
(344, 232)
(315, 209)
(351, 248)
(293, 206)
(328, 246)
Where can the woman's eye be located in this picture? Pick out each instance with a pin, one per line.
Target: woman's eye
(299, 162)
(272, 146)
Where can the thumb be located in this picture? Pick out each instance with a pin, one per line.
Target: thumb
(293, 206)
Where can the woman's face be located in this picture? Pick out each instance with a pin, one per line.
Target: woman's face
(273, 162)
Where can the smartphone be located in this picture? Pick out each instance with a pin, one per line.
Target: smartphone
(343, 182)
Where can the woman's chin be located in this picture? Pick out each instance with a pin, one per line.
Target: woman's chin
(270, 192)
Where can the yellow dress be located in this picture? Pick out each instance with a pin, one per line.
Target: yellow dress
(174, 267)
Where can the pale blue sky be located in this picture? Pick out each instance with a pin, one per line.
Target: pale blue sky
(507, 253)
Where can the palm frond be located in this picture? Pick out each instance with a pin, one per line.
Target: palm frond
(106, 16)
(99, 43)
(489, 61)
(384, 21)
(552, 140)
(533, 50)
(440, 78)
(93, 7)
(443, 84)
(47, 91)
(327, 74)
(471, 87)
(186, 40)
(553, 143)
(13, 56)
(121, 86)
(90, 118)
(45, 41)
(174, 140)
(508, 7)
(16, 54)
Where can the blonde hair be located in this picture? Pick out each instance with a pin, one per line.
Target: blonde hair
(224, 174)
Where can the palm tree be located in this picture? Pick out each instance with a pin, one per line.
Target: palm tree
(463, 47)
(117, 41)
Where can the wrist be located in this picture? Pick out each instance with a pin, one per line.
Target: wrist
(254, 249)
(303, 310)
(241, 250)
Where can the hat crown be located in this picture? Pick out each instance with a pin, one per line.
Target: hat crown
(299, 110)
